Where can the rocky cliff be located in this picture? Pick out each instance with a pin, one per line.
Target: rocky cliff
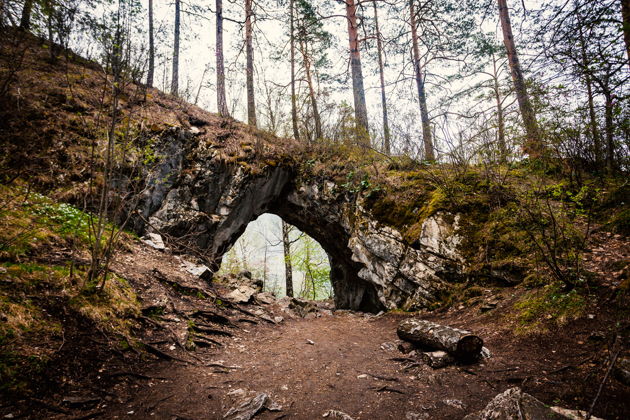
(204, 201)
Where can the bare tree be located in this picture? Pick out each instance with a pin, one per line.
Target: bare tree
(151, 69)
(625, 16)
(533, 145)
(427, 140)
(286, 243)
(175, 76)
(249, 52)
(381, 71)
(358, 91)
(294, 121)
(221, 98)
(25, 21)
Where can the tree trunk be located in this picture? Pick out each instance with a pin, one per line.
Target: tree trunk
(175, 75)
(203, 77)
(379, 47)
(591, 103)
(625, 16)
(221, 99)
(610, 129)
(533, 145)
(360, 107)
(296, 132)
(48, 11)
(429, 153)
(286, 243)
(249, 53)
(459, 343)
(25, 21)
(151, 70)
(311, 89)
(503, 152)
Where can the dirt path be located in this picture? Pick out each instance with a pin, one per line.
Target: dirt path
(347, 368)
(346, 361)
(350, 368)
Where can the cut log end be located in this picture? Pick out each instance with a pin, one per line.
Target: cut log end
(469, 346)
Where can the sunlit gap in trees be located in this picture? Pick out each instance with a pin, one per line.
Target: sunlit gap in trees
(269, 252)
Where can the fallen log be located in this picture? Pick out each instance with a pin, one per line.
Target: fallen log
(459, 343)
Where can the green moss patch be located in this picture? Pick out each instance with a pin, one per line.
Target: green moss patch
(537, 309)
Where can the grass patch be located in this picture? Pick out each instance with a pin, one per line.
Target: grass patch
(548, 305)
(112, 307)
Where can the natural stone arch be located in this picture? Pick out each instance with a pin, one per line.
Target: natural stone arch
(208, 201)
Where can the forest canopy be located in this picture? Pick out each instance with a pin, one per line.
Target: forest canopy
(437, 80)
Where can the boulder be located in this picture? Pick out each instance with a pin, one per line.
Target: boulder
(514, 404)
(198, 270)
(265, 298)
(154, 240)
(242, 294)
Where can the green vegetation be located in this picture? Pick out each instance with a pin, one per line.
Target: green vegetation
(33, 228)
(30, 221)
(551, 304)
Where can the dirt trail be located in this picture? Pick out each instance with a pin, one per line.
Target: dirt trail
(350, 368)
(345, 361)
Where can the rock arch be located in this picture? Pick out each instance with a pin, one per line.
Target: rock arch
(207, 201)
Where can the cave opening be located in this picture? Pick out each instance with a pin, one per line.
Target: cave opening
(281, 256)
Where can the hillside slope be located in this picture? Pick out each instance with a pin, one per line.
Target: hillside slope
(544, 258)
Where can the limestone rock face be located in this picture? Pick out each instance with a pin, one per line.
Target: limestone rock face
(206, 202)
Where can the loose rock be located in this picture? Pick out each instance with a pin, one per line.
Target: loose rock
(334, 414)
(252, 406)
(154, 240)
(514, 404)
(437, 359)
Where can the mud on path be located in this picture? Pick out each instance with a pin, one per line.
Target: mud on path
(351, 366)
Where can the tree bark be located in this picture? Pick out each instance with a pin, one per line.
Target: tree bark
(360, 107)
(429, 153)
(381, 71)
(221, 99)
(459, 343)
(311, 89)
(296, 132)
(175, 75)
(249, 52)
(610, 129)
(286, 243)
(625, 16)
(591, 102)
(25, 21)
(533, 145)
(503, 152)
(151, 69)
